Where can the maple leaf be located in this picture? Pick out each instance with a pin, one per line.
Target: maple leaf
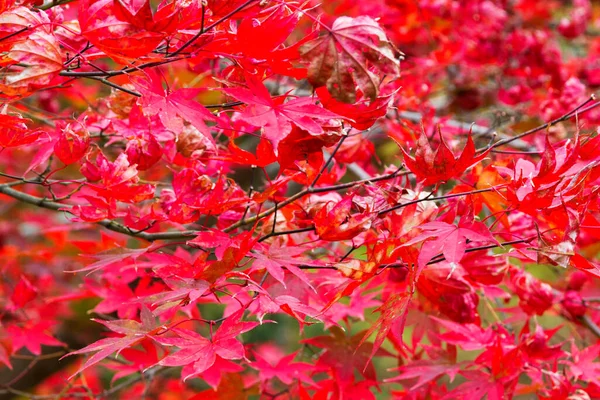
(36, 61)
(183, 292)
(72, 144)
(300, 148)
(444, 285)
(275, 258)
(535, 345)
(335, 222)
(116, 38)
(231, 387)
(133, 331)
(143, 150)
(282, 368)
(359, 303)
(45, 149)
(440, 166)
(448, 239)
(265, 154)
(361, 115)
(24, 292)
(499, 368)
(139, 360)
(232, 252)
(345, 55)
(582, 264)
(258, 38)
(13, 24)
(197, 354)
(116, 296)
(290, 305)
(115, 257)
(32, 335)
(343, 353)
(478, 385)
(426, 371)
(213, 239)
(583, 365)
(275, 115)
(219, 370)
(199, 192)
(468, 336)
(172, 106)
(557, 163)
(5, 5)
(14, 132)
(393, 310)
(118, 179)
(139, 14)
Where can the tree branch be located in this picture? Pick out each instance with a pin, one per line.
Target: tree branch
(108, 224)
(208, 28)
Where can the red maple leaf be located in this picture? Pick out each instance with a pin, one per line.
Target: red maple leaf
(440, 166)
(231, 386)
(394, 310)
(24, 292)
(133, 332)
(138, 360)
(343, 353)
(32, 335)
(219, 370)
(362, 114)
(467, 336)
(73, 143)
(34, 63)
(263, 157)
(197, 353)
(449, 240)
(116, 180)
(116, 38)
(275, 115)
(282, 368)
(426, 371)
(14, 132)
(275, 258)
(172, 106)
(139, 14)
(336, 222)
(183, 291)
(584, 365)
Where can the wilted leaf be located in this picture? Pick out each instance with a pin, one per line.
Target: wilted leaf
(353, 52)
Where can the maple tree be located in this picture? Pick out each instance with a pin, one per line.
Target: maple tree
(213, 199)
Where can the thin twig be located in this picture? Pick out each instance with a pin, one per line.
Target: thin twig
(208, 28)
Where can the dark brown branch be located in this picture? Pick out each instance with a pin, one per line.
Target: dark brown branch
(437, 259)
(308, 191)
(591, 325)
(208, 28)
(108, 224)
(84, 74)
(104, 394)
(114, 85)
(329, 159)
(576, 111)
(447, 196)
(292, 231)
(440, 257)
(14, 33)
